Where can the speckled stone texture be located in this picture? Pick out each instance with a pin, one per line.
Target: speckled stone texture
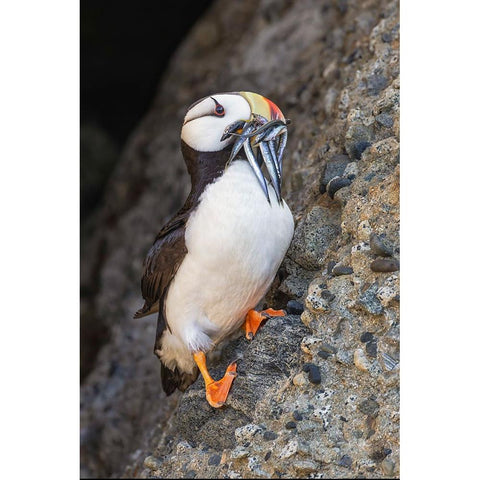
(317, 395)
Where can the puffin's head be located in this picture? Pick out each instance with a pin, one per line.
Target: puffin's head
(230, 121)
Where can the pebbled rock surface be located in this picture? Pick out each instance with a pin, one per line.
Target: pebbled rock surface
(198, 423)
(317, 395)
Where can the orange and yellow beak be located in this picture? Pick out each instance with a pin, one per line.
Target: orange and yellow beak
(266, 131)
(261, 105)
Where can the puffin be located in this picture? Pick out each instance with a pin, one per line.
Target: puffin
(214, 261)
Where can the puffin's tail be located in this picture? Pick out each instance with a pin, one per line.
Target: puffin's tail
(143, 312)
(173, 379)
(147, 309)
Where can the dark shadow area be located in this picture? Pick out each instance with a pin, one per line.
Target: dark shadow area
(124, 49)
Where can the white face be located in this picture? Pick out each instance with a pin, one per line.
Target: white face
(206, 121)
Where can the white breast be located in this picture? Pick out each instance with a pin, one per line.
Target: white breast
(236, 241)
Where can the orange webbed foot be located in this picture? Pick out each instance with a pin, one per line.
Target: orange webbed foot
(217, 392)
(254, 319)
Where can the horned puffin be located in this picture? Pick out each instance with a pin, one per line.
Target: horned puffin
(212, 263)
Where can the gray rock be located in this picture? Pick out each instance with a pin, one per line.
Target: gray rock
(326, 347)
(327, 295)
(338, 270)
(339, 83)
(385, 265)
(214, 459)
(345, 461)
(335, 166)
(376, 83)
(369, 407)
(336, 184)
(371, 349)
(314, 375)
(312, 237)
(297, 416)
(357, 139)
(294, 307)
(366, 337)
(264, 358)
(323, 354)
(331, 265)
(386, 37)
(388, 467)
(268, 435)
(390, 362)
(378, 247)
(361, 361)
(369, 301)
(385, 120)
(357, 148)
(152, 463)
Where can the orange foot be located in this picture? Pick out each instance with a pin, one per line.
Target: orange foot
(254, 319)
(216, 391)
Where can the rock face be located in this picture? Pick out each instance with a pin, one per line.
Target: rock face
(317, 394)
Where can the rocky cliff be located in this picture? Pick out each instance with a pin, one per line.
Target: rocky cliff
(317, 393)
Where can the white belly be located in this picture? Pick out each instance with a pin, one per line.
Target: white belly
(236, 241)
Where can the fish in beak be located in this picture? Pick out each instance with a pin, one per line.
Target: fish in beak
(263, 138)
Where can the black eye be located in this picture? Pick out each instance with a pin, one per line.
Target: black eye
(219, 110)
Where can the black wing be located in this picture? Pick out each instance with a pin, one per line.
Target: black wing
(164, 258)
(160, 266)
